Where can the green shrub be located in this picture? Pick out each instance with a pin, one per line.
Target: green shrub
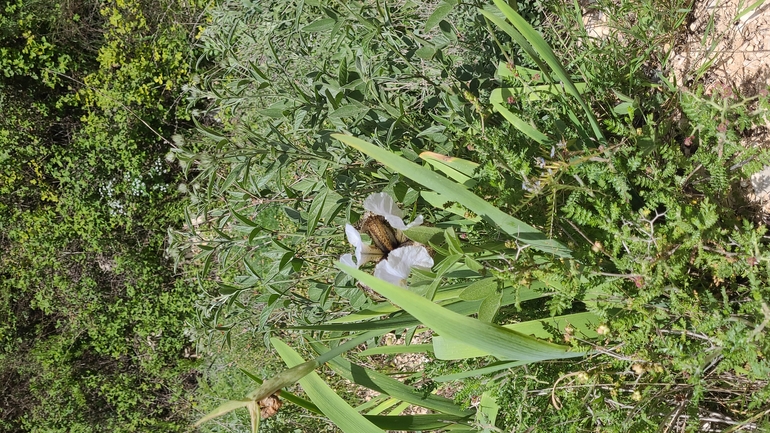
(93, 316)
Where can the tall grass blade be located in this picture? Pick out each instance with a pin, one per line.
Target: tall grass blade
(517, 229)
(222, 409)
(583, 325)
(493, 368)
(511, 295)
(544, 51)
(385, 384)
(416, 422)
(457, 169)
(286, 395)
(528, 130)
(267, 388)
(397, 349)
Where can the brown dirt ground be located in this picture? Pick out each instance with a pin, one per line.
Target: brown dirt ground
(736, 43)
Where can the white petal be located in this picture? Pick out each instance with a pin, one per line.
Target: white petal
(355, 239)
(395, 222)
(353, 236)
(347, 259)
(400, 262)
(417, 221)
(364, 253)
(385, 271)
(412, 256)
(382, 203)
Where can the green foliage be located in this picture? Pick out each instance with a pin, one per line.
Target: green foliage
(627, 173)
(93, 317)
(282, 76)
(29, 50)
(655, 228)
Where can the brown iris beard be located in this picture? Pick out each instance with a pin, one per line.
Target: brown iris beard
(382, 234)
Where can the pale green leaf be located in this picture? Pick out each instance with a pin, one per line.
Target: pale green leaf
(528, 130)
(583, 326)
(441, 185)
(467, 168)
(441, 12)
(479, 289)
(511, 295)
(397, 349)
(492, 368)
(321, 25)
(490, 306)
(348, 111)
(222, 409)
(459, 170)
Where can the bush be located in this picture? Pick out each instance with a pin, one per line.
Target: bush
(93, 315)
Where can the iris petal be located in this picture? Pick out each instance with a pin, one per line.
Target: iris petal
(400, 262)
(355, 239)
(347, 260)
(364, 253)
(382, 203)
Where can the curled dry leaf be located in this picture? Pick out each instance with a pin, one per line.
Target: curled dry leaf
(269, 406)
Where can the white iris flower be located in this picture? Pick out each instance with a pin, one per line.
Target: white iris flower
(397, 267)
(364, 253)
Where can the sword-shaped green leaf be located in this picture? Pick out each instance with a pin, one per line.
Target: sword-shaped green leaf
(495, 340)
(331, 404)
(519, 230)
(527, 37)
(583, 325)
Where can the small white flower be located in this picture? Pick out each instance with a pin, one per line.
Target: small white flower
(396, 268)
(383, 204)
(364, 253)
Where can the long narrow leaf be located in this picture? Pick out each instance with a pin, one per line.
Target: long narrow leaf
(397, 349)
(479, 371)
(266, 388)
(501, 94)
(415, 422)
(457, 169)
(536, 41)
(528, 130)
(385, 384)
(286, 395)
(511, 295)
(331, 404)
(583, 325)
(431, 180)
(376, 311)
(222, 409)
(499, 342)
